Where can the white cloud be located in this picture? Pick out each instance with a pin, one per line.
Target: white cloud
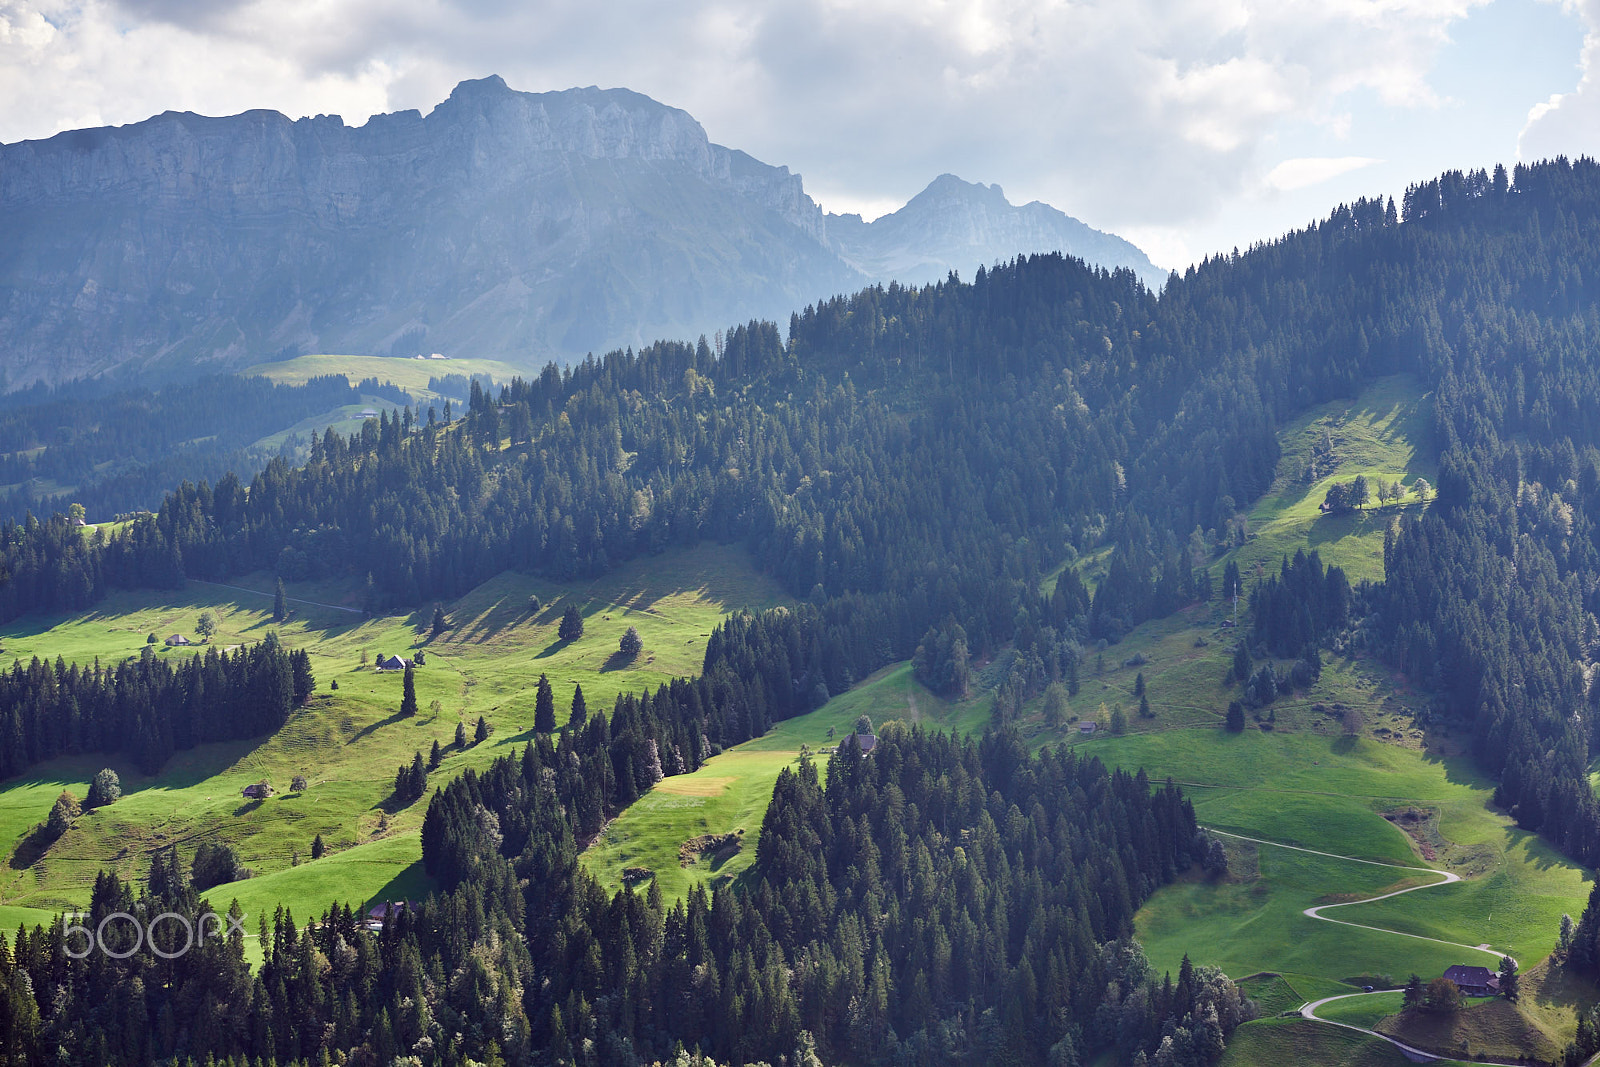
(1123, 112)
(1569, 123)
(1314, 170)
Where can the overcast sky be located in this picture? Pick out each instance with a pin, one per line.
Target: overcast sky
(1189, 126)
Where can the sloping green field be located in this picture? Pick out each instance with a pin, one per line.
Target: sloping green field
(412, 375)
(729, 794)
(349, 742)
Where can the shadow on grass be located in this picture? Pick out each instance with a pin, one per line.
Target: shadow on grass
(412, 883)
(619, 661)
(372, 727)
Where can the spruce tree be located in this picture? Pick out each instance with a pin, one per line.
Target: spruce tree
(418, 776)
(1235, 717)
(571, 627)
(544, 707)
(318, 849)
(280, 604)
(480, 734)
(580, 709)
(435, 756)
(461, 735)
(440, 624)
(408, 694)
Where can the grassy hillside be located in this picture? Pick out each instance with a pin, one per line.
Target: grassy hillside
(409, 374)
(1385, 433)
(1276, 1042)
(349, 742)
(729, 794)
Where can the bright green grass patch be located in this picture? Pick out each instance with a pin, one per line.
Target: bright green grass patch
(348, 743)
(1279, 1042)
(412, 375)
(1275, 786)
(730, 793)
(1364, 1010)
(1387, 433)
(386, 869)
(12, 917)
(1273, 994)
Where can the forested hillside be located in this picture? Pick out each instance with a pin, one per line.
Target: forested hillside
(910, 464)
(118, 449)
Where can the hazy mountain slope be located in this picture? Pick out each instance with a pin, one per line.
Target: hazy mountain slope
(957, 225)
(504, 224)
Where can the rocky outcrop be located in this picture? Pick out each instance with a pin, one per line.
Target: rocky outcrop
(505, 224)
(517, 226)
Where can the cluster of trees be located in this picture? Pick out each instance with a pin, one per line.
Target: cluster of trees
(411, 780)
(148, 707)
(1301, 606)
(908, 458)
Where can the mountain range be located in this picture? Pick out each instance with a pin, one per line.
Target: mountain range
(503, 224)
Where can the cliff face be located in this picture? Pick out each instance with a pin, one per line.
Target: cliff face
(954, 225)
(517, 226)
(503, 224)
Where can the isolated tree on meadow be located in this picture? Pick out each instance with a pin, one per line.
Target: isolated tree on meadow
(106, 788)
(1235, 717)
(544, 707)
(461, 735)
(318, 849)
(297, 784)
(280, 604)
(440, 623)
(631, 644)
(65, 809)
(480, 733)
(408, 694)
(571, 627)
(1138, 684)
(1443, 996)
(206, 625)
(435, 756)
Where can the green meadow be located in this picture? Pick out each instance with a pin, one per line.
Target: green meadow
(349, 741)
(1385, 433)
(412, 375)
(729, 794)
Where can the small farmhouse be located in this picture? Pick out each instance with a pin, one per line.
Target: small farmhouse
(1086, 727)
(392, 663)
(258, 791)
(179, 639)
(1474, 981)
(868, 742)
(384, 908)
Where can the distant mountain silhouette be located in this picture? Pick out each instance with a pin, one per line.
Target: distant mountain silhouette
(954, 225)
(517, 226)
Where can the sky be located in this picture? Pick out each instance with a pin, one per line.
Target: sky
(1187, 126)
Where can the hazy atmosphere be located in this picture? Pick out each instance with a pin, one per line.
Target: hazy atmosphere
(1185, 126)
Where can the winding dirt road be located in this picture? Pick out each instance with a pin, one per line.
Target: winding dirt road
(1309, 1011)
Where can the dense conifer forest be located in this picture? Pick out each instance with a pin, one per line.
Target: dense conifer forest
(910, 464)
(122, 449)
